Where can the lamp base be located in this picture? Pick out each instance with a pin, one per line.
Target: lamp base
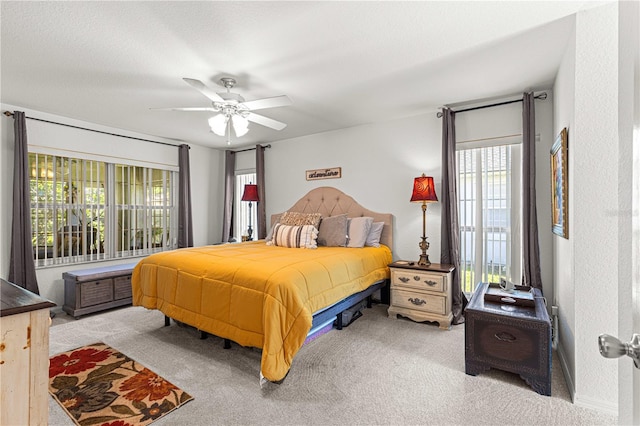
(424, 257)
(424, 260)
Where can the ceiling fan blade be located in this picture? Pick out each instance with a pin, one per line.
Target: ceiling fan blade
(276, 101)
(198, 85)
(185, 109)
(266, 121)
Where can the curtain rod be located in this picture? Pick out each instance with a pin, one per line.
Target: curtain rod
(542, 96)
(253, 149)
(9, 114)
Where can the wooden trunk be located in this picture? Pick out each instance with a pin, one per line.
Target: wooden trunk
(510, 338)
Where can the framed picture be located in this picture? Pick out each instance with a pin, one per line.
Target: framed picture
(559, 186)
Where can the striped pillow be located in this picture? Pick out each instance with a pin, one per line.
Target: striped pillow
(304, 236)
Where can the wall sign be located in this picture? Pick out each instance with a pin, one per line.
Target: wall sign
(332, 173)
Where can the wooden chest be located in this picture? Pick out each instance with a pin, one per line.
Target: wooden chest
(510, 338)
(93, 290)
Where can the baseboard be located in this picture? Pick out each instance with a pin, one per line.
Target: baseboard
(596, 404)
(568, 378)
(577, 399)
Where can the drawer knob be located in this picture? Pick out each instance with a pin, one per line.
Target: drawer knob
(430, 283)
(416, 301)
(503, 336)
(416, 277)
(403, 279)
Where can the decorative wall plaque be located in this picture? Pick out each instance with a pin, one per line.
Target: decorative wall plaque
(332, 173)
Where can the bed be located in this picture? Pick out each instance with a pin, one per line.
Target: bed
(267, 295)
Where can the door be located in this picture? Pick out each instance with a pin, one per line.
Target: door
(629, 313)
(636, 206)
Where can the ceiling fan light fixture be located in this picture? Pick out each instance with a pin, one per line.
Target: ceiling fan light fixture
(218, 124)
(232, 110)
(240, 125)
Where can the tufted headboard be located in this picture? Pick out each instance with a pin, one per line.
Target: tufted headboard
(330, 201)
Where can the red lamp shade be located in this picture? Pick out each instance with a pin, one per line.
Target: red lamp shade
(250, 193)
(423, 190)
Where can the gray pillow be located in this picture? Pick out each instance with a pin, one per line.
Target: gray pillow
(373, 239)
(359, 228)
(333, 231)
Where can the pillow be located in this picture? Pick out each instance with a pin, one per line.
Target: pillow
(333, 231)
(373, 239)
(295, 236)
(276, 220)
(359, 230)
(298, 219)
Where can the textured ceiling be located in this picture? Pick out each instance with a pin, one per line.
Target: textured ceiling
(342, 63)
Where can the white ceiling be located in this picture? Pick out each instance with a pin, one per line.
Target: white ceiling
(342, 63)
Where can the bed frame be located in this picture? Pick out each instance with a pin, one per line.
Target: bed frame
(330, 201)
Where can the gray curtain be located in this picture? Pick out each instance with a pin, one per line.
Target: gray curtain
(22, 269)
(229, 187)
(530, 250)
(262, 214)
(450, 230)
(185, 225)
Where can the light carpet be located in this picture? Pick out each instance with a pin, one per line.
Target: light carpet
(376, 371)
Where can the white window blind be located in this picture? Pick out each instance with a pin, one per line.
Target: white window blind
(489, 188)
(85, 210)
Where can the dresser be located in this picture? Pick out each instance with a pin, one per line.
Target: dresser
(510, 338)
(24, 356)
(421, 293)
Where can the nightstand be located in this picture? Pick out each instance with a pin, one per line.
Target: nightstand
(421, 293)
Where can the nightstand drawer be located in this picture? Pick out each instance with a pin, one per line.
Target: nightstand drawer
(418, 280)
(419, 301)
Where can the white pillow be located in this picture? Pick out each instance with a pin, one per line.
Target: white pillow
(373, 239)
(359, 230)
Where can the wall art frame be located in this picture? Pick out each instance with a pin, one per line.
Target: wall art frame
(560, 185)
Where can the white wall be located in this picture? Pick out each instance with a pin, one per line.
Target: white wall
(564, 106)
(206, 171)
(378, 161)
(586, 265)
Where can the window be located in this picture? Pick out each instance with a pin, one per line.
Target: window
(241, 208)
(489, 212)
(86, 210)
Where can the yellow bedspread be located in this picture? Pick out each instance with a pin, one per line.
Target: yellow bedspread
(254, 294)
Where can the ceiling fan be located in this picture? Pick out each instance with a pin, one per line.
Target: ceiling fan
(233, 110)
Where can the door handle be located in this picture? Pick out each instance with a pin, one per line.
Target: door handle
(612, 347)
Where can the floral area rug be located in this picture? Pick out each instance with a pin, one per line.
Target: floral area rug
(97, 385)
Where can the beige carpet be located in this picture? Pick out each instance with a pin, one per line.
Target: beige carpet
(376, 371)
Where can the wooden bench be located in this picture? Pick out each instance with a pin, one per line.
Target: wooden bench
(92, 290)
